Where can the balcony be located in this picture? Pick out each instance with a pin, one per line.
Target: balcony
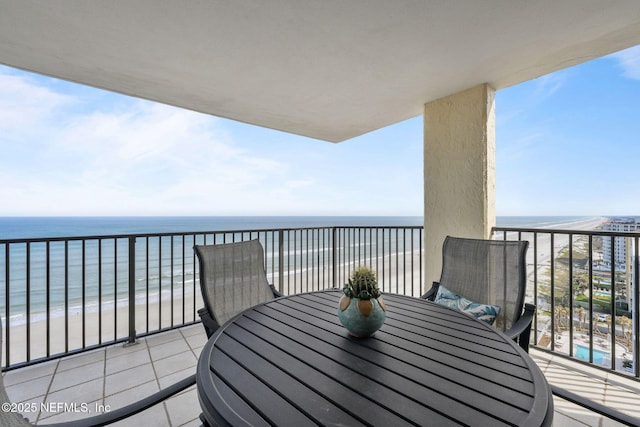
(69, 338)
(69, 297)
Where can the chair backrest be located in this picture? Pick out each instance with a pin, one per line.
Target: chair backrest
(8, 418)
(232, 278)
(488, 272)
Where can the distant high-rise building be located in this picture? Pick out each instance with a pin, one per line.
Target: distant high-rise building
(620, 243)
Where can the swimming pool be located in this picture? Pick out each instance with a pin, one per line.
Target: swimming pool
(599, 356)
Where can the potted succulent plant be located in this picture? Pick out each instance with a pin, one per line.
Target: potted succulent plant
(362, 310)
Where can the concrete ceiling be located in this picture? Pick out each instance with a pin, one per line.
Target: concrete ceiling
(327, 69)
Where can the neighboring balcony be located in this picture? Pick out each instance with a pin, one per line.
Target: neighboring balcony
(67, 310)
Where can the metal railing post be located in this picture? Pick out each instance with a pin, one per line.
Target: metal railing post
(7, 305)
(132, 291)
(281, 260)
(334, 255)
(636, 308)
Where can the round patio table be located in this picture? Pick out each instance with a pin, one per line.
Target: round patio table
(290, 362)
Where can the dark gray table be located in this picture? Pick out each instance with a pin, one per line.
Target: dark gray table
(290, 362)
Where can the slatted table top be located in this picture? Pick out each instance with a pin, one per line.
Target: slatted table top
(290, 362)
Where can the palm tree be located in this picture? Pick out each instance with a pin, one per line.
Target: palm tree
(561, 314)
(580, 284)
(596, 323)
(624, 322)
(582, 316)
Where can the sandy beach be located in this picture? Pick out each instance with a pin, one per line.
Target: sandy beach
(98, 327)
(543, 244)
(561, 241)
(395, 275)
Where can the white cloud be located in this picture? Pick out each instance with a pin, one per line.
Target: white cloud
(69, 150)
(144, 159)
(629, 61)
(299, 183)
(546, 86)
(22, 101)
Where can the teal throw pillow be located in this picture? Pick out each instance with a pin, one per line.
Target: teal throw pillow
(484, 312)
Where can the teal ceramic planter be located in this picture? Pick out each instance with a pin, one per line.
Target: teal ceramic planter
(362, 318)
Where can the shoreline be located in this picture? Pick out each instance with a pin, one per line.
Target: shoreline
(586, 225)
(394, 273)
(543, 244)
(96, 328)
(395, 270)
(18, 309)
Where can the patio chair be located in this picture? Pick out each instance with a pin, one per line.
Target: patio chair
(232, 279)
(487, 273)
(9, 418)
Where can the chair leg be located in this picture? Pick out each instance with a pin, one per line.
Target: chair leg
(204, 421)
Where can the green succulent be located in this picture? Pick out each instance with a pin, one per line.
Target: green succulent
(362, 284)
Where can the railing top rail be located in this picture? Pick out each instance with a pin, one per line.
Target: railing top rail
(200, 232)
(570, 231)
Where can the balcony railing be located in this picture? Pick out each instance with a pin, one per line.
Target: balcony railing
(60, 296)
(66, 295)
(585, 285)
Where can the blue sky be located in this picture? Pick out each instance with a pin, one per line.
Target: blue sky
(567, 144)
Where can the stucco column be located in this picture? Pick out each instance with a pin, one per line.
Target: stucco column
(459, 171)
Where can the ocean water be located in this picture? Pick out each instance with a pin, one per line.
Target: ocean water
(45, 227)
(96, 270)
(105, 283)
(537, 221)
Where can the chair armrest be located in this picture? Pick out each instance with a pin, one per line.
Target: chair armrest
(521, 330)
(131, 409)
(431, 293)
(607, 411)
(210, 325)
(276, 293)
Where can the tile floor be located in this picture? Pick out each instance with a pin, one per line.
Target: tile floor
(606, 388)
(113, 377)
(118, 375)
